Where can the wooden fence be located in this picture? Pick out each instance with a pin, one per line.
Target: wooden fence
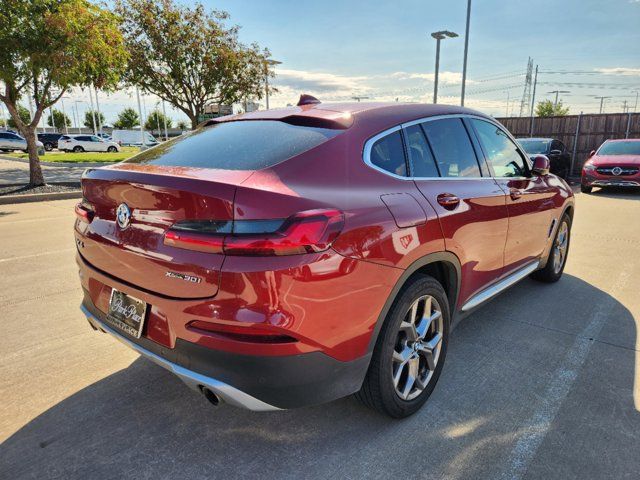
(589, 131)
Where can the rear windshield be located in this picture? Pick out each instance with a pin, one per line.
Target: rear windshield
(240, 145)
(534, 146)
(620, 148)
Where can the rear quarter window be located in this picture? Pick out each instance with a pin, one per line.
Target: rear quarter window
(240, 145)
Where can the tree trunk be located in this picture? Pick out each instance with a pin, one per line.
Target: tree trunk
(194, 121)
(35, 170)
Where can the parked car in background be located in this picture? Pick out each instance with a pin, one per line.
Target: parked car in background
(49, 140)
(133, 138)
(555, 150)
(86, 143)
(10, 142)
(290, 257)
(615, 164)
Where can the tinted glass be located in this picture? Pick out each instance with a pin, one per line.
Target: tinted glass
(241, 145)
(420, 157)
(534, 146)
(95, 139)
(83, 138)
(452, 148)
(620, 148)
(4, 135)
(502, 154)
(388, 154)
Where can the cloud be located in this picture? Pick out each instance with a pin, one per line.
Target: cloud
(620, 70)
(303, 80)
(446, 78)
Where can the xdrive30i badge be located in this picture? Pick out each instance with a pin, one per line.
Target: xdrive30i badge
(182, 276)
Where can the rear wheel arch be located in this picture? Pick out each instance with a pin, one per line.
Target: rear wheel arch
(443, 266)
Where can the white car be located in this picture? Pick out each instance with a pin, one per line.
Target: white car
(10, 141)
(86, 143)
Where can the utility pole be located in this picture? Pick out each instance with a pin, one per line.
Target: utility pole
(98, 109)
(53, 119)
(466, 50)
(142, 142)
(507, 112)
(526, 93)
(267, 63)
(533, 100)
(76, 102)
(602, 99)
(164, 113)
(635, 107)
(93, 112)
(64, 116)
(624, 106)
(441, 35)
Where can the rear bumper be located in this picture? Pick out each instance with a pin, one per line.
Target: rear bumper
(259, 383)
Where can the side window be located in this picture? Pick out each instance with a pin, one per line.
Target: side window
(83, 139)
(4, 135)
(502, 154)
(420, 157)
(557, 145)
(95, 139)
(387, 153)
(452, 148)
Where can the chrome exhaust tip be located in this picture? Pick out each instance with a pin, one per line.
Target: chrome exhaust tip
(214, 399)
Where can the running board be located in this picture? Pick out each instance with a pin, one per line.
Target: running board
(493, 290)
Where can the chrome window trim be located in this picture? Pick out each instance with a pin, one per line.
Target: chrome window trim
(366, 152)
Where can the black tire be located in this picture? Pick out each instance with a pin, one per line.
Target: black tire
(585, 189)
(112, 149)
(78, 149)
(378, 390)
(550, 273)
(48, 147)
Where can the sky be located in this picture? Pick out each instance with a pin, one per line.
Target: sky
(336, 50)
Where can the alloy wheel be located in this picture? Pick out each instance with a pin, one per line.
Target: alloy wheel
(417, 348)
(560, 247)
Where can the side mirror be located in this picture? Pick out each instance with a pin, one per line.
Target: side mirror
(540, 165)
(593, 152)
(555, 152)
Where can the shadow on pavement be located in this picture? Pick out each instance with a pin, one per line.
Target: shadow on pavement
(142, 422)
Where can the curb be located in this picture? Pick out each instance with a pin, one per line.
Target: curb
(39, 197)
(60, 164)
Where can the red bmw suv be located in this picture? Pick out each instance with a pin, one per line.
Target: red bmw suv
(290, 257)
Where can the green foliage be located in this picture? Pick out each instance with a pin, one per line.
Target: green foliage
(188, 56)
(127, 119)
(49, 46)
(155, 121)
(24, 114)
(59, 120)
(182, 125)
(547, 108)
(88, 118)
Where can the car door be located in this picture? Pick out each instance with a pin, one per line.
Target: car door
(470, 205)
(529, 197)
(559, 158)
(97, 144)
(4, 140)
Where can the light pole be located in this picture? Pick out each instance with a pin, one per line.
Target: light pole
(466, 50)
(93, 112)
(267, 63)
(635, 107)
(164, 113)
(98, 109)
(441, 35)
(602, 99)
(142, 142)
(64, 115)
(555, 103)
(76, 102)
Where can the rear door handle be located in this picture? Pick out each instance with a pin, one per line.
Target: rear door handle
(448, 200)
(515, 194)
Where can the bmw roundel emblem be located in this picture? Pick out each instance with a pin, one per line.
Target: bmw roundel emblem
(123, 215)
(616, 170)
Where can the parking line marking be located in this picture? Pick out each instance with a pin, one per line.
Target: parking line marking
(34, 255)
(531, 434)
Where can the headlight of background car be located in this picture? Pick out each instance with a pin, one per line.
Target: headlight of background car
(589, 167)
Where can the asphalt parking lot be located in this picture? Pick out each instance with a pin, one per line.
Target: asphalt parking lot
(543, 382)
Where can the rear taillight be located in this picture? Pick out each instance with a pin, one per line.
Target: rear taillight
(245, 333)
(305, 232)
(84, 212)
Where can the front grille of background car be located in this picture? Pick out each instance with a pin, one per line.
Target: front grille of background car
(625, 170)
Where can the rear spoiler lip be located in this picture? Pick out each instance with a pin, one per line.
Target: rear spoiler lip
(339, 121)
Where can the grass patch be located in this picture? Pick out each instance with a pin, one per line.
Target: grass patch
(70, 157)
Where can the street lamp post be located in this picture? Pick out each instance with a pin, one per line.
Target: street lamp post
(466, 50)
(555, 102)
(602, 99)
(441, 35)
(64, 115)
(267, 63)
(76, 102)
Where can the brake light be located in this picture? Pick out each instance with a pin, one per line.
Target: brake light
(84, 212)
(305, 232)
(250, 333)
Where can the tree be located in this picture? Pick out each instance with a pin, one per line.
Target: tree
(88, 118)
(547, 108)
(60, 120)
(182, 125)
(24, 114)
(49, 46)
(127, 118)
(155, 121)
(188, 56)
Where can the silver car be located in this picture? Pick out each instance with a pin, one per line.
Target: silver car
(12, 141)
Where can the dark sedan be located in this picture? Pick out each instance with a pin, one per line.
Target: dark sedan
(49, 140)
(558, 154)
